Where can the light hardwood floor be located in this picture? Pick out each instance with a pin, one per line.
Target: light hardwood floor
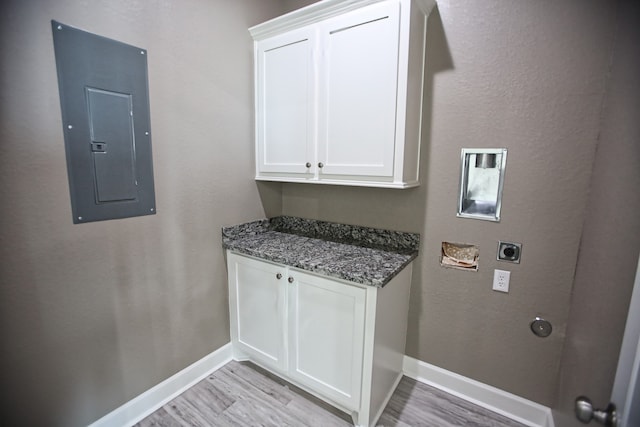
(242, 394)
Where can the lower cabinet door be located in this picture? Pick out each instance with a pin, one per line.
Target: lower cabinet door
(257, 307)
(326, 336)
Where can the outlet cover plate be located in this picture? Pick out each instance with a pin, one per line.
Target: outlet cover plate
(501, 280)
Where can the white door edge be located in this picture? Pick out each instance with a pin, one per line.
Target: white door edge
(626, 388)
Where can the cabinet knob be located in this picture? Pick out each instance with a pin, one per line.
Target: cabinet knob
(308, 165)
(320, 165)
(279, 276)
(290, 279)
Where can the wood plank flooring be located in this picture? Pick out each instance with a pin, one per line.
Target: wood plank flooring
(242, 394)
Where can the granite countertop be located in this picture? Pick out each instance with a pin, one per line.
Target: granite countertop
(358, 254)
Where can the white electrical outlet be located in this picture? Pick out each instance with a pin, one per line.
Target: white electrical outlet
(501, 280)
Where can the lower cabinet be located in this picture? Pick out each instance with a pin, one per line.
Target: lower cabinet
(257, 294)
(341, 341)
(326, 336)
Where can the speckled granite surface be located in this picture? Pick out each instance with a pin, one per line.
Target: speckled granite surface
(357, 254)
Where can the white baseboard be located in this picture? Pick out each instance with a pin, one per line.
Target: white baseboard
(151, 400)
(515, 407)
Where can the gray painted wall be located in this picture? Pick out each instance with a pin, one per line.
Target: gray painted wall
(611, 237)
(94, 314)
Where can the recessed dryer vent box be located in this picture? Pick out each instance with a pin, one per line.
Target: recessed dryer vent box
(104, 99)
(481, 182)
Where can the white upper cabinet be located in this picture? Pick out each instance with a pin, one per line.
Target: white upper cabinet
(339, 93)
(286, 110)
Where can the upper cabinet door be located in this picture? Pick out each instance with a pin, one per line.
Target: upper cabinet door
(285, 103)
(358, 91)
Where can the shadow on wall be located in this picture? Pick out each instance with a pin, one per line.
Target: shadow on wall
(271, 197)
(437, 59)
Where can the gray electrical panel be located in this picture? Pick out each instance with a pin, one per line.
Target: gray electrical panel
(104, 98)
